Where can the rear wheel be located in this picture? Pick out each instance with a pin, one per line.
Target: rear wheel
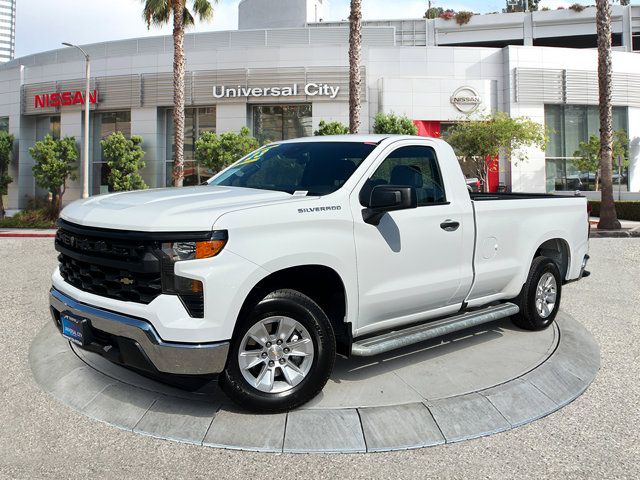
(539, 299)
(282, 354)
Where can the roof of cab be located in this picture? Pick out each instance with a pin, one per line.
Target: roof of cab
(372, 138)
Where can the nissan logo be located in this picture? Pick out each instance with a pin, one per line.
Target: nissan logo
(466, 99)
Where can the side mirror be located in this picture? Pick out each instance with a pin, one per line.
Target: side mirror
(388, 198)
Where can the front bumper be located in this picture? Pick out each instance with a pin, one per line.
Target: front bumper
(165, 357)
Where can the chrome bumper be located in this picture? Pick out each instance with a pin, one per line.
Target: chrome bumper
(166, 357)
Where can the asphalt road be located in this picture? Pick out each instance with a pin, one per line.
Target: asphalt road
(597, 436)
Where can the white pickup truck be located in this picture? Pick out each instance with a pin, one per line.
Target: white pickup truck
(355, 245)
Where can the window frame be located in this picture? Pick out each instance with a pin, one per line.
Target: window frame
(384, 156)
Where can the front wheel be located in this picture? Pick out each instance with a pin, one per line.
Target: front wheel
(539, 299)
(282, 353)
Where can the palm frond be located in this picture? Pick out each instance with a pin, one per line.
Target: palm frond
(187, 18)
(156, 12)
(204, 8)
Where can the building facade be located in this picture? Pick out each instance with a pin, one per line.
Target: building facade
(7, 30)
(280, 82)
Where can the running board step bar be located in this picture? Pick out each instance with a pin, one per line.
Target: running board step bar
(425, 331)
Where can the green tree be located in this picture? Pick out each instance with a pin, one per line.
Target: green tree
(6, 147)
(331, 128)
(161, 12)
(588, 154)
(55, 166)
(394, 124)
(217, 152)
(483, 139)
(124, 159)
(433, 12)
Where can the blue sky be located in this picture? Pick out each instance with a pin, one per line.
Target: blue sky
(90, 21)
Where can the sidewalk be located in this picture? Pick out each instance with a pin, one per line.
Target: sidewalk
(629, 229)
(27, 233)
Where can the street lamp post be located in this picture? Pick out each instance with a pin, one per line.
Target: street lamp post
(85, 142)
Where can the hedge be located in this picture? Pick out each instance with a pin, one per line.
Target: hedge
(627, 210)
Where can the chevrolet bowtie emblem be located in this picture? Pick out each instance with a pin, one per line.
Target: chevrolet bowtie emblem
(126, 281)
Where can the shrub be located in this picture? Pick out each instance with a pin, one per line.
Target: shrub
(393, 124)
(124, 159)
(626, 210)
(576, 7)
(37, 218)
(331, 128)
(217, 152)
(447, 14)
(463, 17)
(6, 147)
(55, 166)
(433, 12)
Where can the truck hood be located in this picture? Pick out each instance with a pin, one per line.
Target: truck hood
(167, 209)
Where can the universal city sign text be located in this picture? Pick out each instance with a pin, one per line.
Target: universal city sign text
(63, 99)
(310, 90)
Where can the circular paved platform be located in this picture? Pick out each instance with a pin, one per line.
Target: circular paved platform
(481, 381)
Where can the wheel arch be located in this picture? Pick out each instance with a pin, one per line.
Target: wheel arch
(558, 250)
(322, 284)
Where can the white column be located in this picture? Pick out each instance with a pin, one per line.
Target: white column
(71, 126)
(333, 112)
(231, 117)
(146, 123)
(634, 149)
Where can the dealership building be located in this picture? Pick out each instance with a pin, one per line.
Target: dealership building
(285, 69)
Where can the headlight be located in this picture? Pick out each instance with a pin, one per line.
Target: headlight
(190, 291)
(178, 251)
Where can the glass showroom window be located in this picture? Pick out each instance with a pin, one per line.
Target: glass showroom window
(104, 124)
(569, 125)
(4, 124)
(48, 126)
(196, 121)
(281, 122)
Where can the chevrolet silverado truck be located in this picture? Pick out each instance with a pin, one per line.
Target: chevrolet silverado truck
(304, 249)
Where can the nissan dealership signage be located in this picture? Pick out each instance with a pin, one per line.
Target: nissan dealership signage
(63, 99)
(466, 99)
(309, 89)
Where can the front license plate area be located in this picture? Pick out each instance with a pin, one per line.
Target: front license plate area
(74, 328)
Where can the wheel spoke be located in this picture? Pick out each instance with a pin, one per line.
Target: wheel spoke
(545, 309)
(301, 348)
(286, 326)
(294, 367)
(551, 298)
(291, 376)
(248, 360)
(265, 378)
(259, 334)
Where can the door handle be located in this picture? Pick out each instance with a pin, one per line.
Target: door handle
(449, 225)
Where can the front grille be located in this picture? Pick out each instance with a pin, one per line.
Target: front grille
(117, 283)
(119, 268)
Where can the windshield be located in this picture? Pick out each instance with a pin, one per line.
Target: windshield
(313, 168)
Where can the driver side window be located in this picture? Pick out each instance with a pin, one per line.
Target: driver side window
(412, 166)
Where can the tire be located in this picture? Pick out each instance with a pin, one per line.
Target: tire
(537, 310)
(263, 375)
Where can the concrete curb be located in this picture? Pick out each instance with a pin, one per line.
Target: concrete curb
(130, 402)
(633, 233)
(27, 233)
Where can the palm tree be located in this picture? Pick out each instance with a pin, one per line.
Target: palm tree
(160, 12)
(608, 217)
(355, 45)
